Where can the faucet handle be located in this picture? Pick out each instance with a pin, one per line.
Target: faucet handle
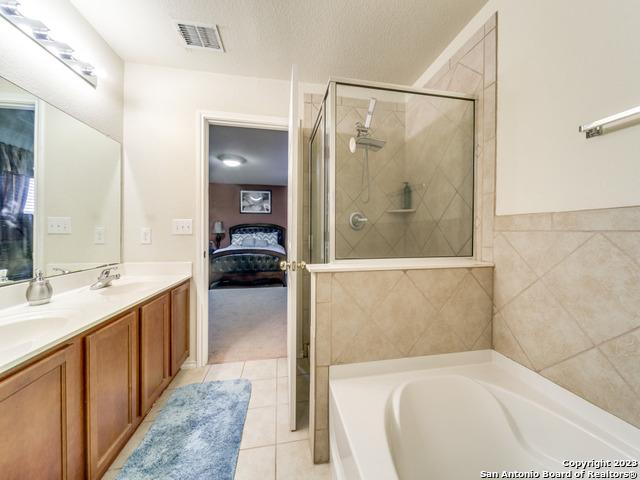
(107, 271)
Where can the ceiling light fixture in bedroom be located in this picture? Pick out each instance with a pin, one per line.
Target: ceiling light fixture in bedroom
(231, 160)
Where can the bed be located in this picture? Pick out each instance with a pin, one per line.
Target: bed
(252, 258)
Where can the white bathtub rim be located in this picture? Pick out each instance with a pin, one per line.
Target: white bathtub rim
(577, 410)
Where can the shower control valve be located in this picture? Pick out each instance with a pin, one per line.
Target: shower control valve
(357, 220)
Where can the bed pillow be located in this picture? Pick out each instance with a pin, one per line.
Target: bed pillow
(242, 240)
(268, 238)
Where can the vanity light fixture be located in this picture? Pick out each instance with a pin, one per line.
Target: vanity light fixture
(231, 160)
(40, 33)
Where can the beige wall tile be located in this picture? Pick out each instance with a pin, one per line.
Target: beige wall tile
(628, 242)
(369, 344)
(468, 311)
(490, 58)
(321, 454)
(484, 276)
(348, 319)
(474, 59)
(323, 287)
(439, 337)
(592, 376)
(544, 250)
(624, 353)
(543, 328)
(323, 334)
(368, 289)
(505, 343)
(511, 273)
(484, 342)
(322, 398)
(532, 221)
(600, 287)
(627, 218)
(403, 315)
(489, 111)
(491, 23)
(437, 285)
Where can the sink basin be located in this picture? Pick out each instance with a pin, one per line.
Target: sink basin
(125, 288)
(22, 331)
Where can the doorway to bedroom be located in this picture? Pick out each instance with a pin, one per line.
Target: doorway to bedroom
(247, 296)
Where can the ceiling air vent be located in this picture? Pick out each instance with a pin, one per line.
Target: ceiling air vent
(200, 36)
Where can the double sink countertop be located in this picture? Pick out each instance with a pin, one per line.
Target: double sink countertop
(26, 331)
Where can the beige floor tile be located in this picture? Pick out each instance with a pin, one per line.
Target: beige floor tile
(293, 462)
(188, 376)
(283, 434)
(131, 445)
(260, 369)
(160, 402)
(224, 371)
(112, 473)
(283, 367)
(283, 390)
(259, 428)
(263, 393)
(257, 463)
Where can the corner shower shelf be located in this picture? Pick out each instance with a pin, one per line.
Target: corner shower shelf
(402, 210)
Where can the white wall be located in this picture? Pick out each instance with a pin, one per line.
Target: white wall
(27, 64)
(562, 64)
(160, 135)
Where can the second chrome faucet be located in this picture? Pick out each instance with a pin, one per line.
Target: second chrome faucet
(105, 278)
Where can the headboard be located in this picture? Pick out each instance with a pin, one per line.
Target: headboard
(259, 227)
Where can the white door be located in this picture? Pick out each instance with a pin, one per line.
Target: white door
(294, 221)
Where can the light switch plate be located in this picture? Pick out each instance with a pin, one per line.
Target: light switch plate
(59, 225)
(98, 235)
(145, 236)
(182, 226)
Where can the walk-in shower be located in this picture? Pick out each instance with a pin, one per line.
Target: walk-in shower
(391, 173)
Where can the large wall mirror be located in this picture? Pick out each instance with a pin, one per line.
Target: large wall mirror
(60, 183)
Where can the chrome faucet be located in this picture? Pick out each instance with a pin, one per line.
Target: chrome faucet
(105, 278)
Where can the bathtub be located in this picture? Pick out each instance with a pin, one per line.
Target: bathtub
(466, 416)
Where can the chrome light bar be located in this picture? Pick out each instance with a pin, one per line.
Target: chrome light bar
(594, 129)
(39, 33)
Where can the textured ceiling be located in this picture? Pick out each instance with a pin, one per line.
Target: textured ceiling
(383, 40)
(266, 152)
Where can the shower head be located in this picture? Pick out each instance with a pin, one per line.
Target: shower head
(365, 142)
(372, 107)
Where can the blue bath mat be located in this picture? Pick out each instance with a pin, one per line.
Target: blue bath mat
(196, 435)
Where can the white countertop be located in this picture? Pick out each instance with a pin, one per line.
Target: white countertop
(27, 331)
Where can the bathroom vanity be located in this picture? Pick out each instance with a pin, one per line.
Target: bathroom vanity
(69, 402)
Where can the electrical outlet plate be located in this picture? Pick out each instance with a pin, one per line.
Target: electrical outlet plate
(145, 236)
(59, 225)
(182, 226)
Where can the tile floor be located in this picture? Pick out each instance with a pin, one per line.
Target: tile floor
(268, 451)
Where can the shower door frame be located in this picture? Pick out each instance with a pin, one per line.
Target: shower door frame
(330, 105)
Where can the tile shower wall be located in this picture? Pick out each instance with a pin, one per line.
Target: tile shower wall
(363, 316)
(567, 300)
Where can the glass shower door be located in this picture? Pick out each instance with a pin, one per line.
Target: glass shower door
(318, 211)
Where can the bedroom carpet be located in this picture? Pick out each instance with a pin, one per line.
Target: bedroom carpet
(195, 436)
(247, 324)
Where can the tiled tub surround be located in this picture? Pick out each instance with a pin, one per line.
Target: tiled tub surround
(567, 301)
(378, 315)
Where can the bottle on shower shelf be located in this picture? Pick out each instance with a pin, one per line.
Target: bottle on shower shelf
(406, 196)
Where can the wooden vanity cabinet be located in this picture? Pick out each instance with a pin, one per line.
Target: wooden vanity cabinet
(154, 350)
(41, 428)
(67, 413)
(179, 326)
(112, 394)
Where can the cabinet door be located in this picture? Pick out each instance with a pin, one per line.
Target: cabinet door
(111, 359)
(179, 326)
(154, 351)
(41, 418)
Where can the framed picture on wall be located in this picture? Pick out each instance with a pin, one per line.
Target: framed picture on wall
(255, 201)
